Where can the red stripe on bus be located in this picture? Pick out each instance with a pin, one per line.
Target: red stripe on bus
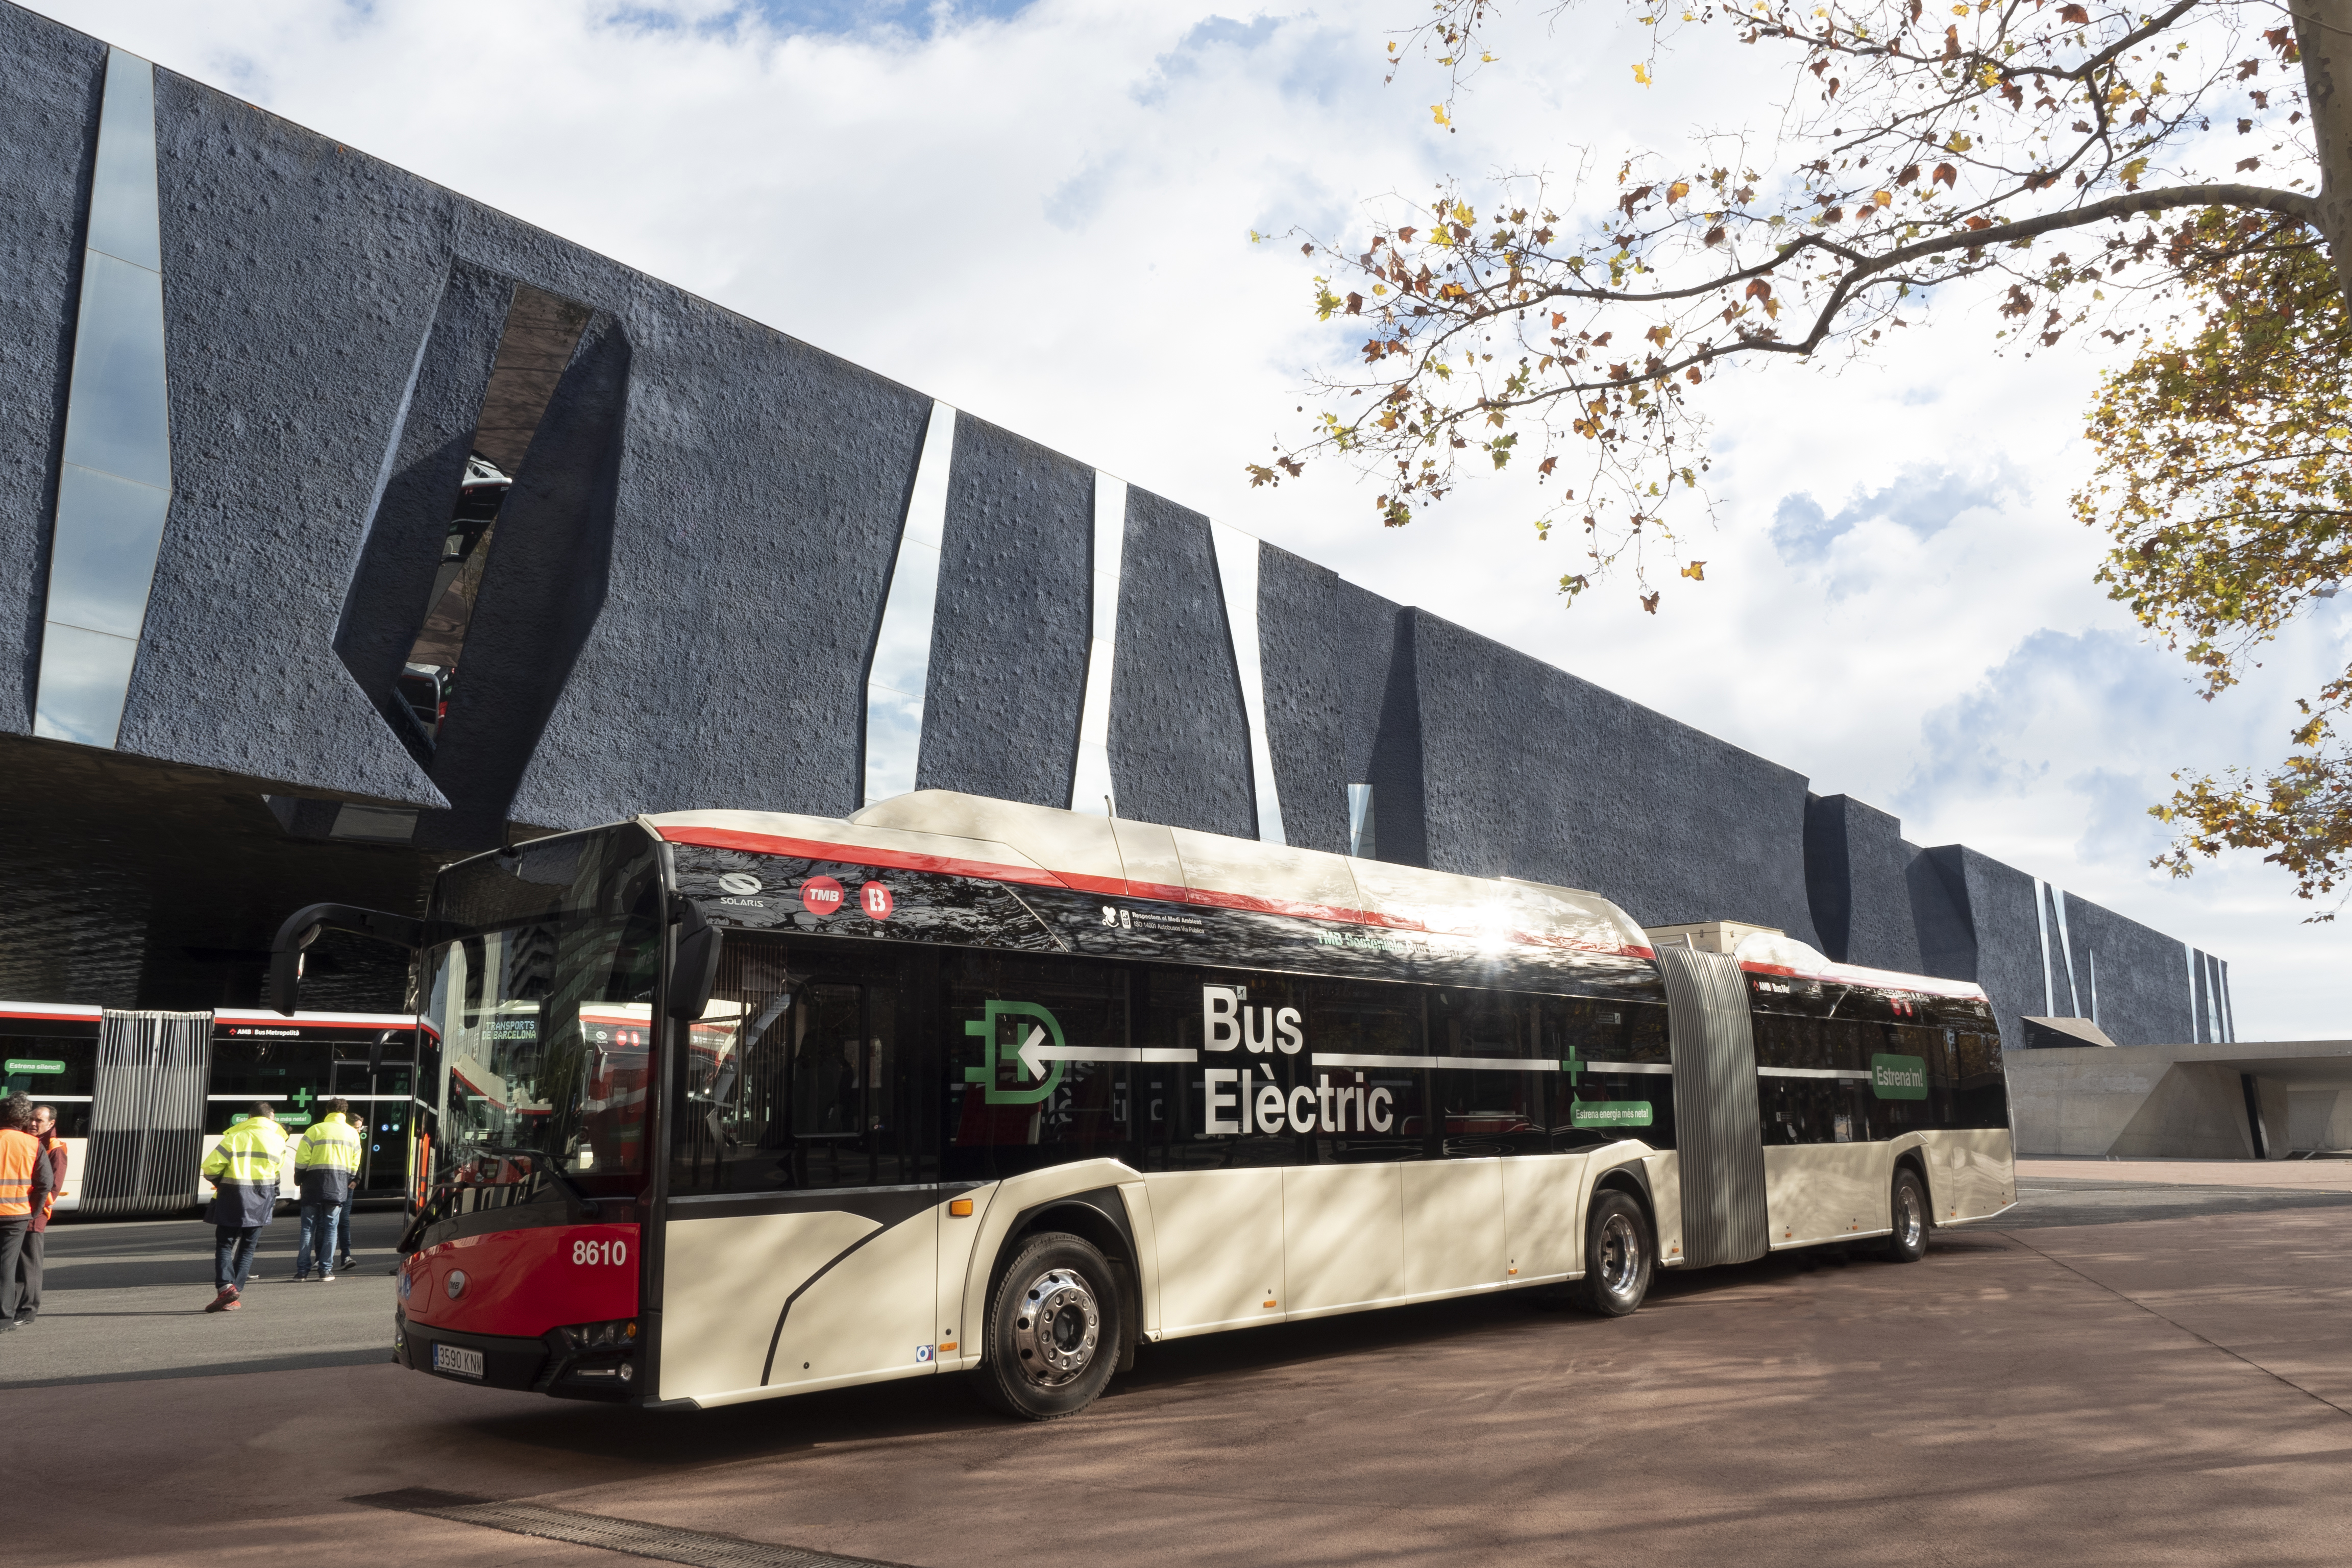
(862, 855)
(858, 855)
(1962, 987)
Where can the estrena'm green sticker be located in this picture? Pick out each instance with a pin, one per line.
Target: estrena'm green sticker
(1898, 1077)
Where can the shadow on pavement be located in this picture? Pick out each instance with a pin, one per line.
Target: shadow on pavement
(212, 1369)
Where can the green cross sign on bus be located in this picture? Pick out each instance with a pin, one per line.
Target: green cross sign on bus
(302, 1096)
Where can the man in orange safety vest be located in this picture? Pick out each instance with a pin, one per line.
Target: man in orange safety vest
(27, 1180)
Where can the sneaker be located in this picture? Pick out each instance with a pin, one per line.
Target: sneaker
(25, 1321)
(224, 1300)
(298, 1280)
(232, 1306)
(326, 1279)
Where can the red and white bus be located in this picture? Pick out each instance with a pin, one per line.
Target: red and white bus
(740, 1104)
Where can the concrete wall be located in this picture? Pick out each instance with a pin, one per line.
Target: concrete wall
(2183, 1101)
(687, 577)
(2125, 1108)
(2319, 1119)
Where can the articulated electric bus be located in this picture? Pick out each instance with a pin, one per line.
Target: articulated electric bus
(737, 1104)
(141, 1097)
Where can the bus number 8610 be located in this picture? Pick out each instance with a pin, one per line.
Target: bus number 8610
(612, 1252)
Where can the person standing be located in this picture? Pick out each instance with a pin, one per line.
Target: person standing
(28, 1262)
(359, 1123)
(243, 1169)
(27, 1180)
(326, 1164)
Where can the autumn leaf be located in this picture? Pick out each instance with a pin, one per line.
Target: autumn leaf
(1678, 189)
(2075, 14)
(1642, 75)
(1650, 603)
(1696, 571)
(1437, 112)
(1946, 174)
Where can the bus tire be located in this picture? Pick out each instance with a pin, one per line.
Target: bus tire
(1618, 1257)
(1906, 1211)
(1054, 1329)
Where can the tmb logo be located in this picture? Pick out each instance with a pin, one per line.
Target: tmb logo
(821, 896)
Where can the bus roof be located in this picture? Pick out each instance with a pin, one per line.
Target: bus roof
(1000, 840)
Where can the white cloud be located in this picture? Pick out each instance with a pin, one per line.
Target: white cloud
(1040, 213)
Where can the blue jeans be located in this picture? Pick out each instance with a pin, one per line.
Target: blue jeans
(318, 1222)
(233, 1254)
(343, 1227)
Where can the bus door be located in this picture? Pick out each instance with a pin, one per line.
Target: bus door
(381, 1109)
(802, 1246)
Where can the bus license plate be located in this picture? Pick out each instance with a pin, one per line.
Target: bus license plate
(453, 1359)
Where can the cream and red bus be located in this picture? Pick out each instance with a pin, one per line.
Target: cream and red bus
(740, 1104)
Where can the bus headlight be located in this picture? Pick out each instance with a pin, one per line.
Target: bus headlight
(599, 1339)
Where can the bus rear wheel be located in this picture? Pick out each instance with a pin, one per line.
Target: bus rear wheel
(1907, 1212)
(1054, 1329)
(1617, 1256)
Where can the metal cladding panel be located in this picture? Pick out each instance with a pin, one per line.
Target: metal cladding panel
(1517, 755)
(1180, 742)
(147, 1121)
(1013, 623)
(2141, 993)
(1864, 906)
(1718, 1128)
(298, 279)
(50, 81)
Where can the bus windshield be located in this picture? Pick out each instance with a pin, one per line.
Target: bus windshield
(542, 1004)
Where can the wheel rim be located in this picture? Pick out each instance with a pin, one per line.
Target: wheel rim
(1620, 1256)
(1907, 1218)
(1056, 1327)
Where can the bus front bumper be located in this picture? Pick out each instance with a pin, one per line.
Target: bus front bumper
(545, 1365)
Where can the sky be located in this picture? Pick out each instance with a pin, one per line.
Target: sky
(1042, 213)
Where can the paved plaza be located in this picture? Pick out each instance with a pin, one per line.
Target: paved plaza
(2128, 1371)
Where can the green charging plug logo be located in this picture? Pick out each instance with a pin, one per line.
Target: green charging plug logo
(1012, 1032)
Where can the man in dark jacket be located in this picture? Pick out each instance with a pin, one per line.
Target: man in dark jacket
(28, 1262)
(325, 1162)
(243, 1170)
(26, 1181)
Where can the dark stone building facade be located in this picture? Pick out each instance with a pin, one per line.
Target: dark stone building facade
(347, 524)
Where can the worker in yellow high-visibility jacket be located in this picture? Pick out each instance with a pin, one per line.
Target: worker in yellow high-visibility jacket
(326, 1162)
(243, 1170)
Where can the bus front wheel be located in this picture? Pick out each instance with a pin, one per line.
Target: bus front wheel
(1054, 1330)
(1907, 1210)
(1617, 1256)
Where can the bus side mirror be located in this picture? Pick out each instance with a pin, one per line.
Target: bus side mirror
(695, 971)
(286, 968)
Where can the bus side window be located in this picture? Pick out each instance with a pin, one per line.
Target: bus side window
(1614, 1103)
